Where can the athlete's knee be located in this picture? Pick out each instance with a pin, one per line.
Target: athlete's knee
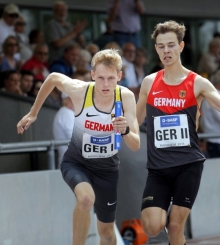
(151, 229)
(107, 235)
(175, 228)
(86, 202)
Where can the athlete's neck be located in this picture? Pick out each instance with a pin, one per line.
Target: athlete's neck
(174, 75)
(103, 103)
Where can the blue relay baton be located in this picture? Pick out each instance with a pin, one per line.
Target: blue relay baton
(118, 110)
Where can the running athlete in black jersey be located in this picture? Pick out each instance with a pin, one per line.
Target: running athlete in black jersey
(90, 164)
(170, 100)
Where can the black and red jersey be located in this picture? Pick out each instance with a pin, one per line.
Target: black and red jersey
(167, 102)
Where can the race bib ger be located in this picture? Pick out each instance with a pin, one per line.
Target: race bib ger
(98, 147)
(171, 131)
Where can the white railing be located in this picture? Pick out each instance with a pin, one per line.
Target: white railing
(34, 146)
(50, 145)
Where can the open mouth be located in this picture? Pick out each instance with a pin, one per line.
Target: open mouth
(166, 58)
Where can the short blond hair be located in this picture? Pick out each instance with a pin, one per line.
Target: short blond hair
(169, 26)
(107, 57)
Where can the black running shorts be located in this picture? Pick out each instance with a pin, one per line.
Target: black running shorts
(180, 183)
(104, 184)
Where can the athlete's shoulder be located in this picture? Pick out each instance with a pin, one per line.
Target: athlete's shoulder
(201, 80)
(151, 77)
(81, 85)
(127, 95)
(125, 91)
(148, 81)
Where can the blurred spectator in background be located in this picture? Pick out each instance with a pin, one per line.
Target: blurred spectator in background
(60, 32)
(12, 82)
(105, 37)
(139, 64)
(10, 13)
(92, 48)
(35, 88)
(113, 45)
(63, 124)
(216, 34)
(84, 60)
(124, 80)
(210, 61)
(128, 58)
(38, 62)
(9, 60)
(27, 81)
(68, 61)
(54, 98)
(210, 121)
(78, 76)
(23, 41)
(83, 74)
(36, 37)
(124, 19)
(158, 66)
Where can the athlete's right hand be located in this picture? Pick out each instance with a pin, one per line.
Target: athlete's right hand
(25, 123)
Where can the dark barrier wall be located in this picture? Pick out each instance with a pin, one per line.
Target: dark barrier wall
(12, 109)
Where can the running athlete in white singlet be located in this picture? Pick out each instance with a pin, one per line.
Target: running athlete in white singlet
(90, 164)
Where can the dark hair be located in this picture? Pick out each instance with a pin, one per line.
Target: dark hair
(8, 73)
(33, 34)
(71, 46)
(27, 72)
(169, 26)
(33, 86)
(216, 34)
(5, 43)
(143, 51)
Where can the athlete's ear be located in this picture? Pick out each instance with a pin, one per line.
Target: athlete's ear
(119, 76)
(182, 45)
(92, 75)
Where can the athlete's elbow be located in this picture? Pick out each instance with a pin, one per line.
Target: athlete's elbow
(140, 120)
(136, 146)
(51, 77)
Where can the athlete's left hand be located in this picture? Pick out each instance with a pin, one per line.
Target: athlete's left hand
(119, 124)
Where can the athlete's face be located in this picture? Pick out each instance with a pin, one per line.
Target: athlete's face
(168, 48)
(106, 79)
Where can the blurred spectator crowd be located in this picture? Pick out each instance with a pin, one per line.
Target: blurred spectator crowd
(26, 60)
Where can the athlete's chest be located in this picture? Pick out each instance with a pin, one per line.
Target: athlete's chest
(93, 120)
(165, 97)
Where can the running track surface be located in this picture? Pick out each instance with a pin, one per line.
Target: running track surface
(208, 240)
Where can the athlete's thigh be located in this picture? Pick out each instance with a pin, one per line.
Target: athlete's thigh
(74, 174)
(187, 184)
(157, 192)
(105, 186)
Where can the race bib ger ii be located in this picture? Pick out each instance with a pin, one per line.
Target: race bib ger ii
(171, 131)
(98, 147)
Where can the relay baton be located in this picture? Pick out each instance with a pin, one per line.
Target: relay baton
(118, 109)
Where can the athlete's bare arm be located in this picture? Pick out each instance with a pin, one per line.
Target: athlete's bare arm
(204, 89)
(144, 90)
(132, 140)
(73, 87)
